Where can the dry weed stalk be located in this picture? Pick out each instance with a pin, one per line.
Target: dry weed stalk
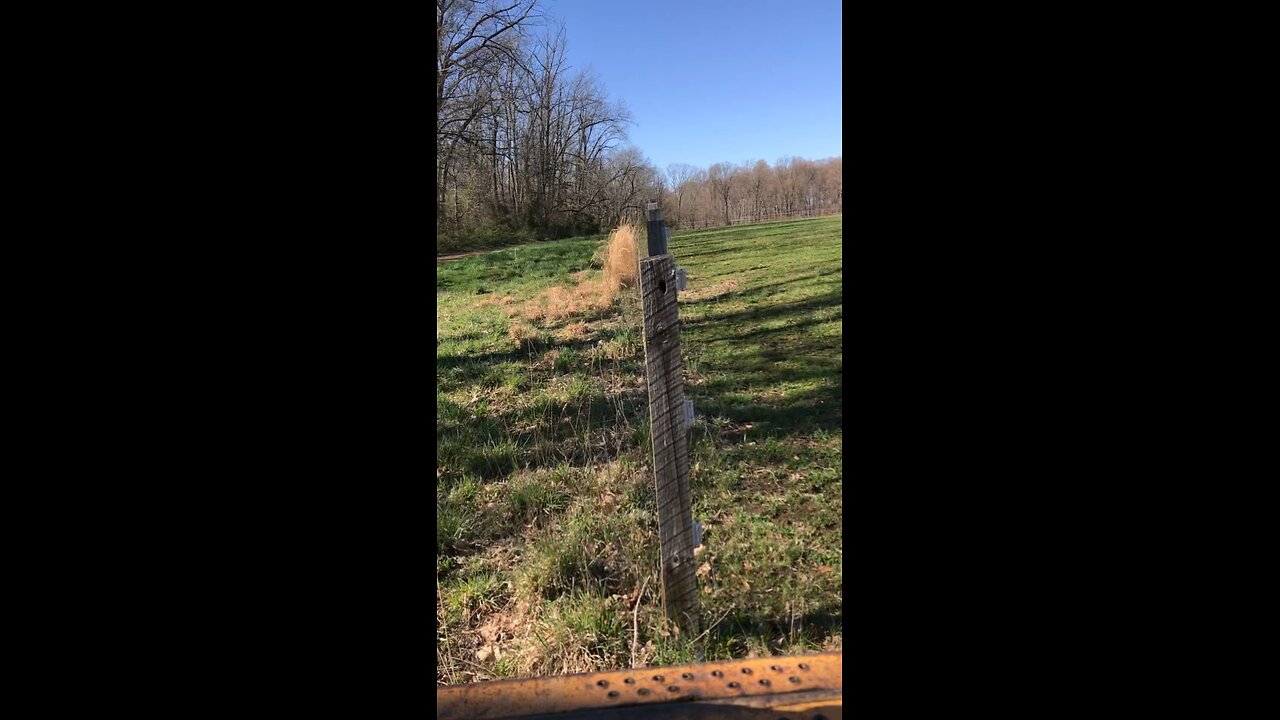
(621, 270)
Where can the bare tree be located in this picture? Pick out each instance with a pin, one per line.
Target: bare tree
(833, 173)
(678, 177)
(474, 39)
(471, 37)
(524, 145)
(720, 176)
(757, 179)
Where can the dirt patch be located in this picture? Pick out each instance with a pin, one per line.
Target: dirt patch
(714, 291)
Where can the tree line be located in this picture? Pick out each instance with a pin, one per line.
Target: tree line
(528, 149)
(728, 194)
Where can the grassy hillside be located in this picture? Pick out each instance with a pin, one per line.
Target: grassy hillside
(546, 535)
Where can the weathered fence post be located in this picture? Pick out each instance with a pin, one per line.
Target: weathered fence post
(664, 372)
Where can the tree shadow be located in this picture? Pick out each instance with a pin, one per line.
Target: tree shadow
(792, 384)
(813, 626)
(760, 290)
(731, 319)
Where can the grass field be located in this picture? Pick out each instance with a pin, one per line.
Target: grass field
(546, 531)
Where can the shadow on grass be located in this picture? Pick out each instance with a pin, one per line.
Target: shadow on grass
(476, 365)
(695, 327)
(792, 384)
(539, 431)
(760, 290)
(813, 626)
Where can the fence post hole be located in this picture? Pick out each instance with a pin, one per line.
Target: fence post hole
(664, 374)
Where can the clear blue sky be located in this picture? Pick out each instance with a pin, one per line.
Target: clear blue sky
(708, 81)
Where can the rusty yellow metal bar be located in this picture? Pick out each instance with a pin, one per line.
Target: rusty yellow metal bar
(798, 687)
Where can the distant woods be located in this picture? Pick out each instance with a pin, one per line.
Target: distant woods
(527, 149)
(728, 194)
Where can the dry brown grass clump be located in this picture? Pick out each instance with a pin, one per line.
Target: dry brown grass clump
(714, 291)
(522, 335)
(621, 270)
(572, 331)
(494, 301)
(621, 263)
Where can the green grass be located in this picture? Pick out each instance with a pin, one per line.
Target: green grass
(547, 530)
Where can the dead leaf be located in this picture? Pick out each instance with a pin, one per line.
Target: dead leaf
(704, 569)
(747, 566)
(824, 569)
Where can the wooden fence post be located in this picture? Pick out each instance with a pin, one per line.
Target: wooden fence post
(664, 372)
